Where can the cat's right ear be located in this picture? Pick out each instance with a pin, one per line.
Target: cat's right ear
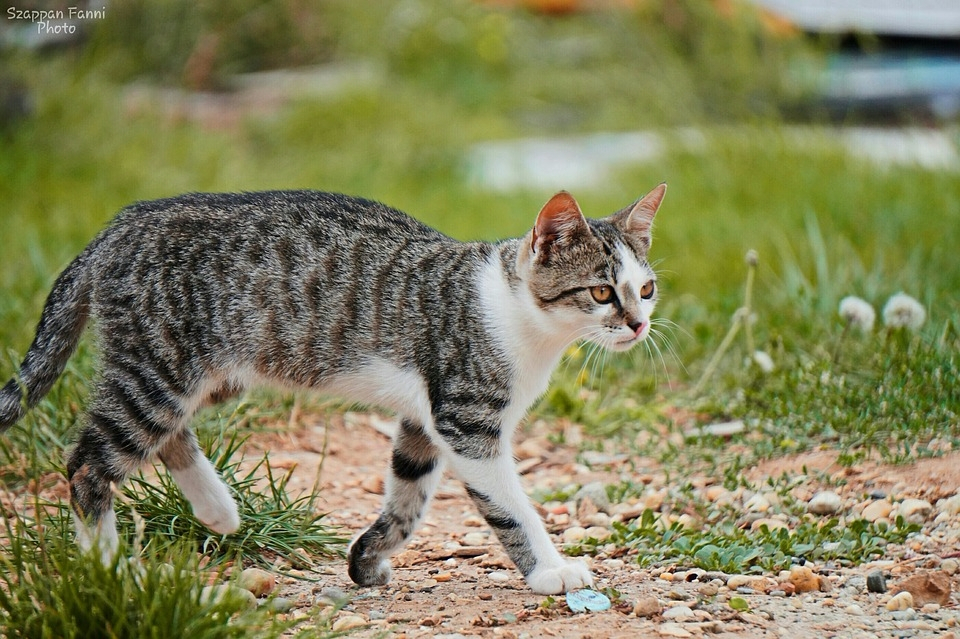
(559, 221)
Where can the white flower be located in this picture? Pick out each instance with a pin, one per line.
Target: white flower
(764, 361)
(902, 311)
(857, 312)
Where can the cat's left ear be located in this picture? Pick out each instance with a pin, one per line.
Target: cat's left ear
(639, 220)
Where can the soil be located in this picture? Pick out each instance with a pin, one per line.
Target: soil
(444, 585)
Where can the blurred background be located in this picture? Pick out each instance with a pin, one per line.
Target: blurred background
(823, 134)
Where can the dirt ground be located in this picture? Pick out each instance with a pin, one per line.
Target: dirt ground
(454, 580)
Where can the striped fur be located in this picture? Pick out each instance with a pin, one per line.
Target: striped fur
(201, 296)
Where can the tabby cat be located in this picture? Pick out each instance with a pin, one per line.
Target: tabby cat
(201, 296)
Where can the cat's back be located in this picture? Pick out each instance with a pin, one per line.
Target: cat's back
(311, 215)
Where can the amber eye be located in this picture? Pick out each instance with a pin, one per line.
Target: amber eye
(602, 294)
(646, 291)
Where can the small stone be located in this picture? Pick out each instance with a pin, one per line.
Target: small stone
(877, 510)
(280, 605)
(259, 582)
(950, 566)
(930, 608)
(900, 601)
(678, 613)
(220, 592)
(771, 524)
(825, 502)
(348, 622)
(673, 630)
(677, 594)
(915, 509)
(596, 492)
(950, 505)
(373, 484)
(714, 493)
(475, 539)
(876, 582)
(927, 587)
(804, 579)
(474, 521)
(498, 576)
(708, 590)
(332, 597)
(574, 534)
(907, 614)
(757, 504)
(442, 577)
(740, 581)
(646, 607)
(854, 609)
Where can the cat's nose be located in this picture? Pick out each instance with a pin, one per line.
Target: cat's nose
(636, 327)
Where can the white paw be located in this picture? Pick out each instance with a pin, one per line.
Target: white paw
(220, 516)
(553, 580)
(101, 538)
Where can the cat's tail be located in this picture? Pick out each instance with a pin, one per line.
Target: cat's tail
(58, 333)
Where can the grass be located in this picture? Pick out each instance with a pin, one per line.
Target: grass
(447, 75)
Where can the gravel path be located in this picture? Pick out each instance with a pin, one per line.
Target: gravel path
(453, 579)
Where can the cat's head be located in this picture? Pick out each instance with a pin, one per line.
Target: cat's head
(588, 278)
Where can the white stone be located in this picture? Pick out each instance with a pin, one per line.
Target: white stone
(825, 502)
(915, 509)
(678, 613)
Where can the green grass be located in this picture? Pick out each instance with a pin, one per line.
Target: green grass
(447, 75)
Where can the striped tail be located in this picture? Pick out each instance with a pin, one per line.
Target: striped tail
(58, 333)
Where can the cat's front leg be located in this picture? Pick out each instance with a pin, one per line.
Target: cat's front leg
(495, 488)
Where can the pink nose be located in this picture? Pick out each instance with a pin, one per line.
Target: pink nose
(638, 327)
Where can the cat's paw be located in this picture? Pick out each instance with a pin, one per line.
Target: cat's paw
(554, 580)
(220, 515)
(365, 566)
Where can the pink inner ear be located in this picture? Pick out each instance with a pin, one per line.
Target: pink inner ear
(643, 212)
(559, 219)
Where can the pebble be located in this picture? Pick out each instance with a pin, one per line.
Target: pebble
(854, 609)
(804, 579)
(915, 509)
(757, 504)
(574, 534)
(825, 502)
(877, 510)
(280, 605)
(907, 614)
(259, 582)
(950, 566)
(900, 601)
(677, 594)
(678, 613)
(475, 539)
(708, 590)
(876, 582)
(498, 576)
(673, 630)
(348, 622)
(222, 591)
(770, 523)
(646, 607)
(595, 492)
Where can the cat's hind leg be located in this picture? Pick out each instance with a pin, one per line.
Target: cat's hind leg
(415, 471)
(126, 424)
(200, 483)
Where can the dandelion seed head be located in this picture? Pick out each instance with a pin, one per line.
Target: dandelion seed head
(903, 311)
(857, 312)
(752, 258)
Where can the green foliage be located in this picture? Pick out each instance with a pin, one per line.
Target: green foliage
(198, 44)
(49, 590)
(726, 547)
(272, 522)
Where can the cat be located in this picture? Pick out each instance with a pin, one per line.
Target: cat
(200, 296)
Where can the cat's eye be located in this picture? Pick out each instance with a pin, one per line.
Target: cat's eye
(602, 294)
(646, 291)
